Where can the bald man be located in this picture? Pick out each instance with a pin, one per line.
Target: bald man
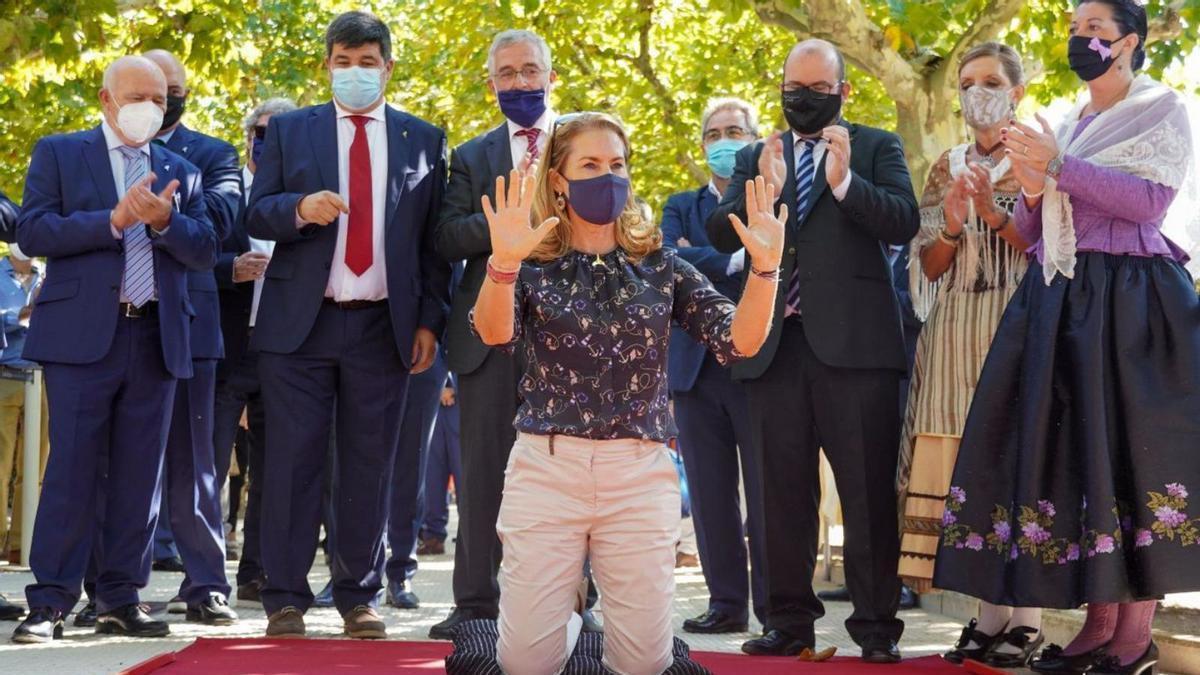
(828, 375)
(194, 474)
(119, 222)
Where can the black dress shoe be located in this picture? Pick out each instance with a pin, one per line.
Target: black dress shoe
(398, 596)
(776, 643)
(168, 565)
(250, 594)
(715, 621)
(839, 594)
(590, 623)
(1052, 661)
(446, 628)
(86, 617)
(1021, 638)
(42, 625)
(9, 611)
(970, 634)
(908, 597)
(214, 612)
(880, 649)
(1146, 665)
(130, 620)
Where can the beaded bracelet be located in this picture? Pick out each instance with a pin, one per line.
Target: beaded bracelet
(773, 275)
(500, 276)
(949, 240)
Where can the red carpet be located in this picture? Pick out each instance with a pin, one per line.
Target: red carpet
(354, 657)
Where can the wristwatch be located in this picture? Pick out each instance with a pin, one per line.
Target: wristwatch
(1054, 167)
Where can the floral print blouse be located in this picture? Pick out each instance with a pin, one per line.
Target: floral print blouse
(595, 332)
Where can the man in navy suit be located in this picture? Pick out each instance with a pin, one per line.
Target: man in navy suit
(354, 299)
(119, 222)
(193, 475)
(521, 76)
(710, 407)
(239, 272)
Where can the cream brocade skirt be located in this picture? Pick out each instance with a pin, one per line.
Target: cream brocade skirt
(932, 468)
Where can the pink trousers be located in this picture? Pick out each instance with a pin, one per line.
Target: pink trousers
(567, 498)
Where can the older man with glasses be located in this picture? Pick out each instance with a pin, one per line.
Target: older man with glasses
(710, 407)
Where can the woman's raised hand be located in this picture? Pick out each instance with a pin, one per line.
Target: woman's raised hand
(763, 237)
(508, 223)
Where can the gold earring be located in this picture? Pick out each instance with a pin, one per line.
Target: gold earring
(561, 202)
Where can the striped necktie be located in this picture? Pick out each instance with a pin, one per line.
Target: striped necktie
(531, 138)
(805, 170)
(137, 285)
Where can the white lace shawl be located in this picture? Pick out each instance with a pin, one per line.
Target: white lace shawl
(1147, 135)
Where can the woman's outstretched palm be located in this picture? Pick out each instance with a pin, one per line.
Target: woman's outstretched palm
(763, 237)
(508, 224)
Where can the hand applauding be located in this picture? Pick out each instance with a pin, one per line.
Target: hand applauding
(763, 237)
(508, 223)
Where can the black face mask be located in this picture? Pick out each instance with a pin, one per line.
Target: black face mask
(174, 110)
(808, 111)
(1090, 57)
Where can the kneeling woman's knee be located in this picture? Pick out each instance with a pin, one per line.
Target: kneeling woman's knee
(524, 653)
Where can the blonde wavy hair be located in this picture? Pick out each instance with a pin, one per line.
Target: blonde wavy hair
(636, 235)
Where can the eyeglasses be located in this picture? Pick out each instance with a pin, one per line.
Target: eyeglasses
(733, 133)
(260, 131)
(528, 74)
(819, 88)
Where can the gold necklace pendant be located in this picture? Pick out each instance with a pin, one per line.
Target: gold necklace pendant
(599, 262)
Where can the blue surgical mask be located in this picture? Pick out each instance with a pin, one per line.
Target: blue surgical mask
(357, 87)
(721, 155)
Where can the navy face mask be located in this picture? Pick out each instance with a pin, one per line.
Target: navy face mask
(523, 106)
(599, 200)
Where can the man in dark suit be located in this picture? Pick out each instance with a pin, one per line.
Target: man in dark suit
(828, 375)
(354, 298)
(710, 407)
(193, 474)
(239, 273)
(119, 221)
(520, 74)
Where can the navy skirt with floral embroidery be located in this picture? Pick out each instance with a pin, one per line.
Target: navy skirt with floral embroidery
(1083, 443)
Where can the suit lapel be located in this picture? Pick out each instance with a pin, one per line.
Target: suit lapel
(95, 154)
(180, 142)
(397, 138)
(499, 151)
(322, 131)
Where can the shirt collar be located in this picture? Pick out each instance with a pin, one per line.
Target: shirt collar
(114, 141)
(247, 176)
(712, 187)
(543, 123)
(377, 114)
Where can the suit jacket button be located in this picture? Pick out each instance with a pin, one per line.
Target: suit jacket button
(791, 250)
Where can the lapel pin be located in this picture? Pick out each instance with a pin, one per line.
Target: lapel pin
(185, 148)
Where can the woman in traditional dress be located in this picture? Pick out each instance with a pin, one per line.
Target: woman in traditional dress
(966, 262)
(1073, 476)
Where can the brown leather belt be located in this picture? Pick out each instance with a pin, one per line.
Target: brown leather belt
(132, 311)
(355, 304)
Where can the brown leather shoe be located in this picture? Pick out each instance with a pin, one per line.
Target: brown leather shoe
(431, 546)
(286, 623)
(364, 623)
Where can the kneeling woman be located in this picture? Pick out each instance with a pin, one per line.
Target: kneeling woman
(590, 295)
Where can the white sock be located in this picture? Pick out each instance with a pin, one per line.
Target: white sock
(992, 620)
(1022, 617)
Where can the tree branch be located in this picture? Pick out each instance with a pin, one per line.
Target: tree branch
(845, 23)
(991, 21)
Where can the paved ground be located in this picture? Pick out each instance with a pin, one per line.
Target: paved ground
(83, 652)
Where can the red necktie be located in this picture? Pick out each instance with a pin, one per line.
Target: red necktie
(531, 135)
(362, 212)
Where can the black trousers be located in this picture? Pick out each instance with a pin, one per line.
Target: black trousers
(801, 405)
(488, 399)
(238, 389)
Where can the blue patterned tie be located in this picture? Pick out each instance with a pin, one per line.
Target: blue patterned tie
(805, 170)
(137, 286)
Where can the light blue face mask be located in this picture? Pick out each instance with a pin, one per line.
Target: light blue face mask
(357, 87)
(721, 154)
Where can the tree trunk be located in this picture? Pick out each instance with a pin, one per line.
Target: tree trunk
(928, 126)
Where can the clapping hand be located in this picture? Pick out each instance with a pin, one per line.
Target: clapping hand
(1029, 148)
(141, 205)
(837, 154)
(763, 237)
(770, 160)
(508, 223)
(954, 205)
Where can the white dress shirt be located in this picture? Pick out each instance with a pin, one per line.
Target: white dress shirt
(519, 145)
(257, 245)
(839, 191)
(372, 285)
